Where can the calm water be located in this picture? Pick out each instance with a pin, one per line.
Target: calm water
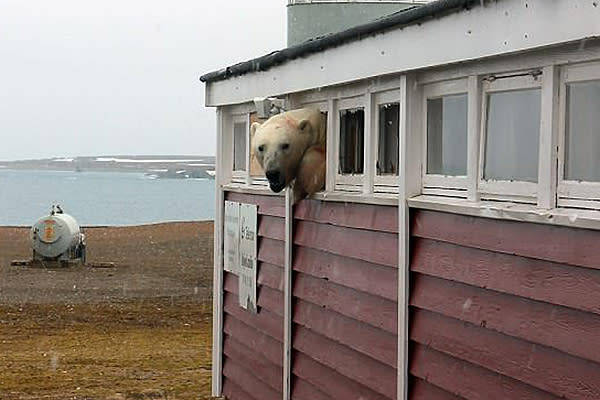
(103, 198)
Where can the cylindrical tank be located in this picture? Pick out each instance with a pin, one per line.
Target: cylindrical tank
(57, 236)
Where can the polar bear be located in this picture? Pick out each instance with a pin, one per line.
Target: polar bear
(290, 147)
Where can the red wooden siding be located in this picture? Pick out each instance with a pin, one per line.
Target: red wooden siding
(503, 310)
(345, 300)
(253, 343)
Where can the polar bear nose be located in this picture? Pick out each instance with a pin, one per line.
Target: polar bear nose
(273, 175)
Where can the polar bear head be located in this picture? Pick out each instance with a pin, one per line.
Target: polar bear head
(280, 143)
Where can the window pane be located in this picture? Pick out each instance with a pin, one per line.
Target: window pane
(447, 135)
(582, 140)
(512, 136)
(387, 156)
(239, 146)
(352, 137)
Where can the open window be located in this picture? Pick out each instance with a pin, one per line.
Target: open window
(352, 142)
(510, 137)
(256, 173)
(350, 146)
(240, 148)
(386, 141)
(445, 149)
(579, 153)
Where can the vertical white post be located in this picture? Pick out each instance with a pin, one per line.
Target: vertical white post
(331, 145)
(287, 294)
(409, 185)
(547, 167)
(402, 386)
(217, 345)
(473, 126)
(370, 132)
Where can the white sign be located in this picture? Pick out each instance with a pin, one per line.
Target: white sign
(248, 252)
(231, 240)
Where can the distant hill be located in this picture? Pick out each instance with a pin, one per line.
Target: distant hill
(162, 166)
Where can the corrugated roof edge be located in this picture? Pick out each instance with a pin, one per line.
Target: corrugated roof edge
(402, 18)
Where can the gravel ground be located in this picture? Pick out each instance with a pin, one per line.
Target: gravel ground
(140, 330)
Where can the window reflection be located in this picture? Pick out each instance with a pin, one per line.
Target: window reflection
(447, 135)
(352, 141)
(387, 152)
(582, 138)
(512, 133)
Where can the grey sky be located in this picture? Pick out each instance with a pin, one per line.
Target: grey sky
(91, 77)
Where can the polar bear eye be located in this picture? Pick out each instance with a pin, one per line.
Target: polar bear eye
(285, 146)
(261, 148)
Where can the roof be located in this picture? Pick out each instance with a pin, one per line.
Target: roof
(399, 19)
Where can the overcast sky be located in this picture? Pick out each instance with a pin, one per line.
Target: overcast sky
(92, 77)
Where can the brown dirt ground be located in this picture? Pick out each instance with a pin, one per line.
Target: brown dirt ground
(140, 330)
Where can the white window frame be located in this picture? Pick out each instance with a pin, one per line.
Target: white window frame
(351, 182)
(239, 176)
(504, 190)
(436, 184)
(258, 181)
(580, 194)
(382, 183)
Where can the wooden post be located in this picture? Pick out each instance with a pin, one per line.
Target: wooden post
(409, 185)
(288, 288)
(473, 126)
(217, 345)
(547, 161)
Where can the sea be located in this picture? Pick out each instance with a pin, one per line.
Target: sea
(103, 198)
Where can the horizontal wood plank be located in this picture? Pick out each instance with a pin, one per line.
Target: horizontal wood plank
(352, 215)
(267, 205)
(366, 339)
(271, 227)
(373, 310)
(356, 274)
(467, 380)
(270, 348)
(243, 378)
(271, 251)
(526, 277)
(546, 242)
(254, 362)
(234, 392)
(539, 366)
(375, 247)
(568, 330)
(264, 321)
(420, 389)
(377, 376)
(302, 390)
(334, 384)
(270, 275)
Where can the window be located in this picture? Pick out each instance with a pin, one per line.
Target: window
(239, 145)
(510, 136)
(445, 110)
(582, 133)
(447, 135)
(579, 160)
(352, 142)
(256, 171)
(387, 148)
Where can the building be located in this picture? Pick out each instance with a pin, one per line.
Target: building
(453, 253)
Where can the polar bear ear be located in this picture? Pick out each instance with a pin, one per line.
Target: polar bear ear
(304, 125)
(253, 129)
